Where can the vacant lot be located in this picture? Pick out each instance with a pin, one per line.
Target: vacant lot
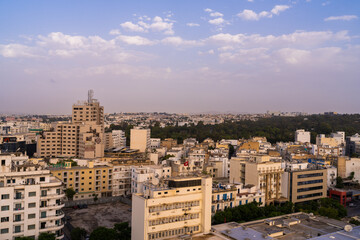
(94, 216)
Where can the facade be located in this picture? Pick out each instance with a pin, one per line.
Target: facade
(353, 145)
(121, 180)
(31, 199)
(140, 139)
(259, 171)
(155, 143)
(119, 139)
(182, 207)
(302, 136)
(83, 137)
(87, 181)
(304, 184)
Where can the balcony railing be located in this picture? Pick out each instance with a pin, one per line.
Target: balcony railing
(18, 209)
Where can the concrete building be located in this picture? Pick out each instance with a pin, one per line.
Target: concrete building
(119, 139)
(31, 199)
(155, 143)
(140, 175)
(182, 206)
(302, 136)
(353, 145)
(300, 185)
(83, 137)
(348, 165)
(87, 181)
(121, 180)
(259, 171)
(140, 139)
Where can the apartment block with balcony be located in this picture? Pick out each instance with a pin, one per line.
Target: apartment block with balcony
(87, 181)
(31, 200)
(181, 206)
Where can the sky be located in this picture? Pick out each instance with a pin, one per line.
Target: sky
(241, 56)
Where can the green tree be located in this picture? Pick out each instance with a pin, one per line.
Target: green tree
(78, 234)
(47, 236)
(69, 192)
(339, 182)
(123, 230)
(102, 233)
(352, 174)
(24, 238)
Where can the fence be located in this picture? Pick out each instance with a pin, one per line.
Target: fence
(91, 201)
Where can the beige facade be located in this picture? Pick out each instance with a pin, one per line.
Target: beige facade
(259, 171)
(31, 200)
(140, 139)
(183, 207)
(305, 185)
(83, 138)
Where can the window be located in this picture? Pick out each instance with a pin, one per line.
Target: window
(43, 214)
(5, 196)
(31, 216)
(31, 227)
(4, 230)
(4, 219)
(42, 179)
(5, 208)
(31, 205)
(43, 193)
(2, 162)
(32, 194)
(17, 229)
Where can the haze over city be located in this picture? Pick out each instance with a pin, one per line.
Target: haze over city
(180, 56)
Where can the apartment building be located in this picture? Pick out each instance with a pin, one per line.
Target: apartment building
(140, 139)
(182, 206)
(302, 136)
(31, 199)
(259, 171)
(83, 137)
(301, 185)
(140, 175)
(121, 180)
(87, 181)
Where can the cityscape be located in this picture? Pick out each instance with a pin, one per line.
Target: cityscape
(191, 120)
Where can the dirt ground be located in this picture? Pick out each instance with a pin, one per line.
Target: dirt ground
(94, 216)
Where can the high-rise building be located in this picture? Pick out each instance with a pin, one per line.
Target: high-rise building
(140, 139)
(83, 137)
(31, 199)
(181, 207)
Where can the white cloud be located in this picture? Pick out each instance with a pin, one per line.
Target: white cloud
(217, 21)
(193, 24)
(208, 10)
(16, 50)
(279, 8)
(157, 24)
(250, 0)
(178, 41)
(135, 40)
(114, 32)
(250, 15)
(132, 27)
(216, 14)
(343, 18)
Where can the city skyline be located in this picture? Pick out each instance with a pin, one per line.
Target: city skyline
(181, 57)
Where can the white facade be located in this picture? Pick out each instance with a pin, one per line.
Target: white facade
(119, 139)
(155, 143)
(121, 180)
(31, 200)
(143, 174)
(302, 136)
(182, 207)
(353, 165)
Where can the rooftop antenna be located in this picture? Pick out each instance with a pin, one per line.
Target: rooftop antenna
(90, 96)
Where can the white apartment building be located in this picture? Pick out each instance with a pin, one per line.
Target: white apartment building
(182, 206)
(155, 143)
(302, 136)
(140, 139)
(119, 139)
(31, 199)
(121, 183)
(143, 174)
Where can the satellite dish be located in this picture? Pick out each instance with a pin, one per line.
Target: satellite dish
(348, 228)
(156, 175)
(155, 181)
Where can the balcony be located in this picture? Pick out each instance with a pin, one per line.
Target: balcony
(50, 196)
(51, 228)
(18, 209)
(54, 217)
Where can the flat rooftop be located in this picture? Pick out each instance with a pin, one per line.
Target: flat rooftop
(298, 226)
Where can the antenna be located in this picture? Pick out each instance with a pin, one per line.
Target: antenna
(90, 96)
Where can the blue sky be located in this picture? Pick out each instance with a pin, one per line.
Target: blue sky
(181, 56)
